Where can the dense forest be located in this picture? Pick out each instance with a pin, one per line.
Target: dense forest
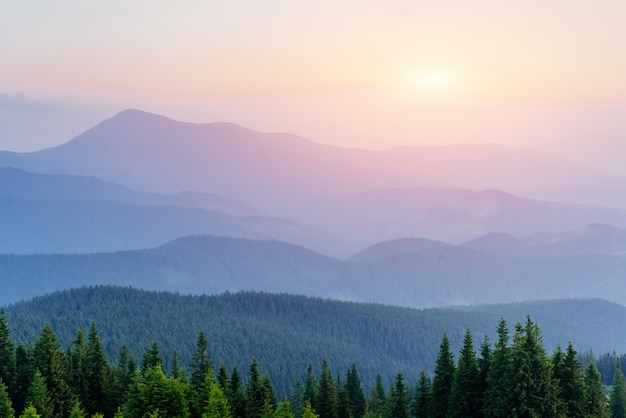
(287, 332)
(515, 377)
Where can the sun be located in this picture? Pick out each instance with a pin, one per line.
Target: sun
(431, 81)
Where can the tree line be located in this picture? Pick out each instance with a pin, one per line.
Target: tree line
(511, 378)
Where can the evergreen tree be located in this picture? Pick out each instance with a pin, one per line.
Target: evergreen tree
(484, 363)
(39, 397)
(465, 394)
(284, 409)
(222, 377)
(118, 380)
(152, 392)
(377, 404)
(355, 393)
(307, 411)
(343, 404)
(152, 357)
(399, 406)
(594, 401)
(236, 395)
(255, 391)
(6, 408)
(533, 391)
(421, 402)
(571, 383)
(326, 405)
(49, 360)
(23, 376)
(175, 372)
(31, 412)
(617, 401)
(75, 369)
(217, 405)
(97, 368)
(297, 399)
(77, 411)
(442, 380)
(201, 364)
(7, 355)
(497, 398)
(311, 388)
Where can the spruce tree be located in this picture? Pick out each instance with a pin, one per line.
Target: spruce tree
(442, 380)
(533, 390)
(236, 395)
(497, 398)
(97, 368)
(151, 357)
(311, 388)
(6, 408)
(377, 404)
(356, 397)
(217, 405)
(222, 377)
(49, 360)
(326, 405)
(594, 401)
(255, 392)
(39, 397)
(617, 401)
(420, 406)
(465, 394)
(31, 412)
(7, 355)
(399, 404)
(284, 409)
(23, 376)
(571, 383)
(201, 363)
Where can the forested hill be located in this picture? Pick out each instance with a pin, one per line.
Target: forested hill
(286, 333)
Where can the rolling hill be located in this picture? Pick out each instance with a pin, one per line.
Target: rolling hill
(286, 333)
(403, 273)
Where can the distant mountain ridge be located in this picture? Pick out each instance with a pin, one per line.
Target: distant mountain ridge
(414, 273)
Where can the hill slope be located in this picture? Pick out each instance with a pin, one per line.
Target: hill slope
(285, 332)
(420, 276)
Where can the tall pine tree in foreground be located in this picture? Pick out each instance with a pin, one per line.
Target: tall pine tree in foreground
(568, 373)
(442, 380)
(399, 406)
(594, 400)
(421, 401)
(497, 398)
(466, 395)
(617, 402)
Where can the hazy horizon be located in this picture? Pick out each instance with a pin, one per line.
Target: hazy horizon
(359, 75)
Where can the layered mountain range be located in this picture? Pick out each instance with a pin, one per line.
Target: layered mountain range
(415, 226)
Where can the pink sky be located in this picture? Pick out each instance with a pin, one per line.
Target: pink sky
(371, 74)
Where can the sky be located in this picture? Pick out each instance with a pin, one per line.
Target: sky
(367, 73)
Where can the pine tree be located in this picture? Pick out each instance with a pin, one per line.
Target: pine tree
(284, 409)
(49, 360)
(533, 392)
(23, 376)
(594, 401)
(175, 372)
(39, 397)
(31, 412)
(465, 395)
(152, 357)
(377, 404)
(152, 392)
(75, 369)
(77, 411)
(326, 405)
(236, 395)
(307, 411)
(497, 397)
(217, 405)
(355, 393)
(421, 401)
(7, 355)
(255, 392)
(97, 368)
(617, 401)
(297, 398)
(6, 408)
(118, 380)
(442, 380)
(201, 364)
(311, 388)
(399, 406)
(571, 384)
(222, 377)
(343, 404)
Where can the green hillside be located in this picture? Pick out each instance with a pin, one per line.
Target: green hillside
(286, 332)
